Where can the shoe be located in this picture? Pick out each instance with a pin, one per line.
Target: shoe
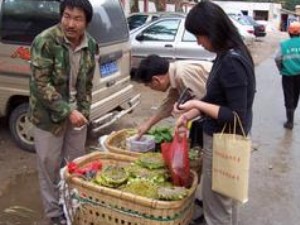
(198, 217)
(198, 221)
(198, 202)
(288, 125)
(60, 220)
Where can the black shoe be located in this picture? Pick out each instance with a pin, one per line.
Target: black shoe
(198, 221)
(288, 125)
(60, 220)
(198, 202)
(198, 217)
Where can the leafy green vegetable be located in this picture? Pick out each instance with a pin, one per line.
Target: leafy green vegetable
(161, 134)
(151, 160)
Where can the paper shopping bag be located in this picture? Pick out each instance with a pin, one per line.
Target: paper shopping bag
(231, 161)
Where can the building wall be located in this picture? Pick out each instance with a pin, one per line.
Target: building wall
(272, 9)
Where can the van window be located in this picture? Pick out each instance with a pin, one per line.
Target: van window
(22, 20)
(109, 22)
(135, 21)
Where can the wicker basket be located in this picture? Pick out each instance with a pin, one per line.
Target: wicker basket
(196, 165)
(115, 138)
(113, 141)
(106, 206)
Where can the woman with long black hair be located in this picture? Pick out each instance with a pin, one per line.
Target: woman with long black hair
(230, 91)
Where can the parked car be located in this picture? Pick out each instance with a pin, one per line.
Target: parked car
(247, 36)
(244, 22)
(269, 26)
(136, 20)
(259, 29)
(168, 38)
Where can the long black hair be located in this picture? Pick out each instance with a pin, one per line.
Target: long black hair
(85, 5)
(208, 19)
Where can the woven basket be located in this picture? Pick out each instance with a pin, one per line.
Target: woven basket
(106, 206)
(113, 141)
(115, 138)
(196, 165)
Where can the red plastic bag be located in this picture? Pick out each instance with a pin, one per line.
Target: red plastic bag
(165, 150)
(176, 157)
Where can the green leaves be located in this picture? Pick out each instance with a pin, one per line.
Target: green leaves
(161, 134)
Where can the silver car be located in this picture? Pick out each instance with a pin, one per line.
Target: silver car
(136, 20)
(168, 38)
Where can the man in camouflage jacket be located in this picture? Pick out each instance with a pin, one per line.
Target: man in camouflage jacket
(62, 63)
(49, 85)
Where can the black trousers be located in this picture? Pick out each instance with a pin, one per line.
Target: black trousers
(291, 91)
(196, 133)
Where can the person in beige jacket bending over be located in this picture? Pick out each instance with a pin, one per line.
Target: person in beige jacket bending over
(161, 75)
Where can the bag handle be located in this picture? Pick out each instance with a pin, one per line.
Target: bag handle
(236, 121)
(179, 136)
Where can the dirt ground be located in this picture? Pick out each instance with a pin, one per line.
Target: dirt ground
(19, 191)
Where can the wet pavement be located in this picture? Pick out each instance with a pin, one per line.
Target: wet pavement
(21, 204)
(274, 197)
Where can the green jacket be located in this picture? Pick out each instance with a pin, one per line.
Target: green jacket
(49, 83)
(290, 52)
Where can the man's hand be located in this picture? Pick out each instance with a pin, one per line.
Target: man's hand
(142, 129)
(77, 118)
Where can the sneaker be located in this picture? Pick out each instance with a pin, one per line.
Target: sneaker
(60, 220)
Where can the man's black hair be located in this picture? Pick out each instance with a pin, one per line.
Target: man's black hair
(151, 66)
(85, 5)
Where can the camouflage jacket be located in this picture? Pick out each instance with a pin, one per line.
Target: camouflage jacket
(49, 83)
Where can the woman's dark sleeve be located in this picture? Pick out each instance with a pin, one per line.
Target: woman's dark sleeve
(234, 82)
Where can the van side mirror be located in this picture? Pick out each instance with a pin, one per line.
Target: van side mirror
(140, 37)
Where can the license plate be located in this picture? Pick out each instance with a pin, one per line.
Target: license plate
(109, 68)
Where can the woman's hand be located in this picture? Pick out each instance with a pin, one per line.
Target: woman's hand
(187, 106)
(181, 124)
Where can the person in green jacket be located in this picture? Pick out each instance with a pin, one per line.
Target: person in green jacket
(62, 64)
(288, 63)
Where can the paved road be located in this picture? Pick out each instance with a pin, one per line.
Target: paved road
(275, 166)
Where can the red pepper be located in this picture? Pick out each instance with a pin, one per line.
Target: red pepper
(93, 166)
(72, 167)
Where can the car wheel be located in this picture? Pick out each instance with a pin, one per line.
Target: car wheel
(21, 128)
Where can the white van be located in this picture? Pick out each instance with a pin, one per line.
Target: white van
(22, 20)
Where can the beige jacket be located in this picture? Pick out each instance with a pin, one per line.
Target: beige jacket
(192, 74)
